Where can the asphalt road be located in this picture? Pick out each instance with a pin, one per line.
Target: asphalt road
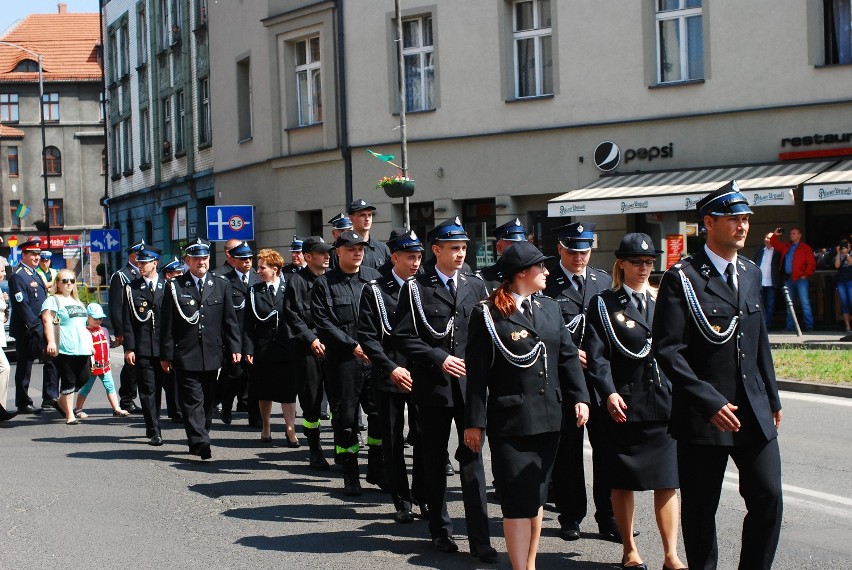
(96, 496)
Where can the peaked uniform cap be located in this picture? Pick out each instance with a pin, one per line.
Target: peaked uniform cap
(449, 230)
(511, 231)
(578, 236)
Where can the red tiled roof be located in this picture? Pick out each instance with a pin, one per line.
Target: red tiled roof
(68, 44)
(7, 132)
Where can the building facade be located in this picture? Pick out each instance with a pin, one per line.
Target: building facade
(73, 128)
(159, 120)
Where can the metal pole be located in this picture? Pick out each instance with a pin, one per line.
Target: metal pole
(402, 134)
(791, 309)
(43, 150)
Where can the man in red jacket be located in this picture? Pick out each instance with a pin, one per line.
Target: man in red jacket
(797, 264)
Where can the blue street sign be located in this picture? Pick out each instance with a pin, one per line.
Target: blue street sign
(105, 240)
(230, 222)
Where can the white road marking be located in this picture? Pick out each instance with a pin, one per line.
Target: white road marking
(834, 400)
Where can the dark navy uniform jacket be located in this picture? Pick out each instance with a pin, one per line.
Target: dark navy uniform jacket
(239, 290)
(508, 400)
(117, 299)
(705, 376)
(491, 276)
(425, 352)
(334, 305)
(143, 317)
(571, 302)
(27, 292)
(265, 334)
(640, 382)
(198, 346)
(376, 254)
(373, 334)
(297, 307)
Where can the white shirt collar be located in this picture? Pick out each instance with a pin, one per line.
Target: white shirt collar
(444, 278)
(570, 274)
(399, 280)
(721, 264)
(518, 300)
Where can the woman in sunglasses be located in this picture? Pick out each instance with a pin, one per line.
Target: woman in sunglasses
(72, 349)
(640, 454)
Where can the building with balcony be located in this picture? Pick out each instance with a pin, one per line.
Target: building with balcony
(69, 44)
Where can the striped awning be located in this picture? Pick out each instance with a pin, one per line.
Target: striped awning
(833, 184)
(672, 190)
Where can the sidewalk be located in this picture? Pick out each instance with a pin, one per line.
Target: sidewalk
(808, 341)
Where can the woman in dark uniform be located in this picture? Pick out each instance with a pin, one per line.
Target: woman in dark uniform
(640, 453)
(266, 345)
(522, 370)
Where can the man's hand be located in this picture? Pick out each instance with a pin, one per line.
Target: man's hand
(318, 348)
(249, 358)
(119, 340)
(359, 354)
(725, 419)
(581, 411)
(776, 416)
(473, 439)
(454, 366)
(582, 358)
(130, 357)
(236, 357)
(402, 378)
(166, 365)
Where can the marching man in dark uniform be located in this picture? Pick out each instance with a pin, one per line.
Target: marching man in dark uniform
(572, 284)
(297, 259)
(199, 327)
(339, 224)
(233, 382)
(710, 339)
(391, 378)
(334, 305)
(431, 332)
(376, 253)
(127, 377)
(27, 292)
(308, 349)
(511, 232)
(144, 298)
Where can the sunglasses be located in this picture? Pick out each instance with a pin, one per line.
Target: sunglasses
(640, 262)
(67, 281)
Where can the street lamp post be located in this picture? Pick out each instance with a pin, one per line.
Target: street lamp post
(43, 136)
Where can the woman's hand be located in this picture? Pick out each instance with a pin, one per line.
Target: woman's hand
(473, 439)
(249, 358)
(581, 411)
(51, 349)
(615, 405)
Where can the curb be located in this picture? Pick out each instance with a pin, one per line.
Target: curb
(814, 388)
(814, 345)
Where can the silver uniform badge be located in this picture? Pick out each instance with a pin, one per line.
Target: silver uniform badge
(580, 229)
(457, 221)
(644, 245)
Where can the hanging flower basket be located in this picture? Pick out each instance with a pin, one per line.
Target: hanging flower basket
(397, 186)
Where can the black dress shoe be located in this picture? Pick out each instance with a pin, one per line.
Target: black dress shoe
(448, 470)
(404, 515)
(176, 418)
(7, 415)
(318, 462)
(424, 511)
(485, 553)
(609, 530)
(47, 405)
(204, 451)
(226, 417)
(445, 544)
(242, 407)
(570, 531)
(29, 409)
(256, 424)
(156, 441)
(324, 416)
(293, 444)
(132, 408)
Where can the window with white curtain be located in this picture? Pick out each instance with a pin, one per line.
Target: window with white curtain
(419, 56)
(308, 81)
(680, 40)
(532, 36)
(837, 18)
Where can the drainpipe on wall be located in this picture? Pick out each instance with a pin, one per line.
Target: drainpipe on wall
(345, 149)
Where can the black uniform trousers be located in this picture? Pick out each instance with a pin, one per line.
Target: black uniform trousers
(434, 423)
(127, 386)
(310, 378)
(150, 379)
(23, 369)
(391, 410)
(173, 398)
(569, 476)
(197, 388)
(701, 469)
(348, 389)
(233, 384)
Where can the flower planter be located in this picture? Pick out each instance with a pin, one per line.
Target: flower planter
(401, 189)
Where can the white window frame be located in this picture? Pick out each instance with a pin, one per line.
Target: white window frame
(10, 103)
(537, 33)
(422, 51)
(681, 14)
(309, 69)
(50, 102)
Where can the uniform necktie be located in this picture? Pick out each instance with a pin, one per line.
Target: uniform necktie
(640, 303)
(452, 287)
(270, 291)
(525, 305)
(578, 281)
(729, 271)
(201, 285)
(245, 278)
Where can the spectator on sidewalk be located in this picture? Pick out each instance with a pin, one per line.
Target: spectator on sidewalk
(798, 263)
(769, 260)
(843, 264)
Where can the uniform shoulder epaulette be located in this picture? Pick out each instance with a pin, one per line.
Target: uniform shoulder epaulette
(599, 270)
(222, 277)
(744, 258)
(478, 275)
(372, 282)
(541, 295)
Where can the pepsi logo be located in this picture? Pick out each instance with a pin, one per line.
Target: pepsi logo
(607, 156)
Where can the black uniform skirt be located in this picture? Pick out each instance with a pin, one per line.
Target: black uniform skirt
(641, 456)
(521, 466)
(273, 381)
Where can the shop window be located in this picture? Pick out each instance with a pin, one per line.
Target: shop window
(480, 218)
(532, 37)
(680, 40)
(53, 161)
(418, 53)
(12, 158)
(50, 106)
(309, 81)
(9, 107)
(837, 18)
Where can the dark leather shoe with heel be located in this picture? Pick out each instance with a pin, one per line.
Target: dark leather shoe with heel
(445, 544)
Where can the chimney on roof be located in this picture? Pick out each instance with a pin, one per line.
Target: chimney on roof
(63, 8)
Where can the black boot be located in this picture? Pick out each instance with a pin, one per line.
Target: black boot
(6, 415)
(351, 477)
(376, 467)
(316, 461)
